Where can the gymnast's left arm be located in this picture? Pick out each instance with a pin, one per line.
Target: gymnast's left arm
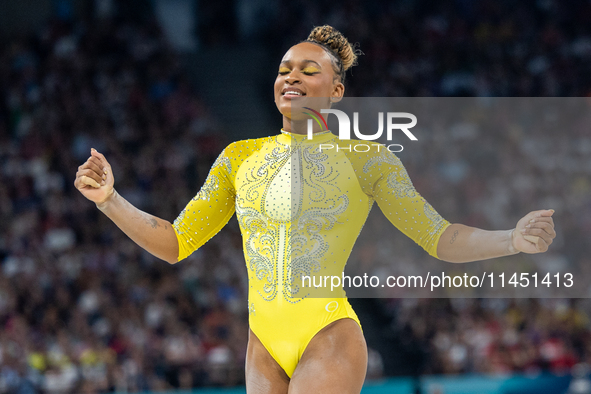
(460, 243)
(396, 196)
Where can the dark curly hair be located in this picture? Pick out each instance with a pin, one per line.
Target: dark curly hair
(342, 53)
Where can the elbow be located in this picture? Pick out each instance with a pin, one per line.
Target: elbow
(174, 253)
(440, 258)
(448, 256)
(169, 259)
(444, 257)
(450, 260)
(440, 254)
(172, 256)
(173, 259)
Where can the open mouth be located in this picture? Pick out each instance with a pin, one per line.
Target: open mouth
(292, 93)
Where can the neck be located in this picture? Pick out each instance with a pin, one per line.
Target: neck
(299, 126)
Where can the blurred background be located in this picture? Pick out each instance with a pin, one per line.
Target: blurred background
(162, 86)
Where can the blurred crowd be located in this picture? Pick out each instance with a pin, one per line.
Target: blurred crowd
(82, 309)
(494, 336)
(452, 47)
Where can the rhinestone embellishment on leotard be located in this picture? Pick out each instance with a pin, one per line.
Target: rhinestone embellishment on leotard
(283, 238)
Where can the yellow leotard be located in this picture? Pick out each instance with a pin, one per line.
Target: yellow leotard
(301, 205)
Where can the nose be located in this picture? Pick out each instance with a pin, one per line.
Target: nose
(292, 78)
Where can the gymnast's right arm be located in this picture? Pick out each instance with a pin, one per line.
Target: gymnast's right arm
(169, 242)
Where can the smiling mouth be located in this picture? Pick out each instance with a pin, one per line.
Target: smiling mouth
(293, 93)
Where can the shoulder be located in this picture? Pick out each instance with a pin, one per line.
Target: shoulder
(369, 156)
(237, 152)
(246, 146)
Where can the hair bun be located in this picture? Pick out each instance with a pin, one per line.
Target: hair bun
(334, 40)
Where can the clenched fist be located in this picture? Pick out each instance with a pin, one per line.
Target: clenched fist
(534, 232)
(95, 178)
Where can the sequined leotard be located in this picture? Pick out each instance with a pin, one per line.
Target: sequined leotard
(300, 210)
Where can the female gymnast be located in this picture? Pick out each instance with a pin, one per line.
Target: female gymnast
(300, 211)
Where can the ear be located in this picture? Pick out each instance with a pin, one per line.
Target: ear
(337, 92)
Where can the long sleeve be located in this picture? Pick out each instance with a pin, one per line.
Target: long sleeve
(209, 211)
(384, 178)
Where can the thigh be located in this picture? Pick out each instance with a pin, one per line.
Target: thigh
(263, 374)
(335, 361)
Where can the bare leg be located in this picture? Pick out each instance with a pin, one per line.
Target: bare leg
(335, 361)
(263, 374)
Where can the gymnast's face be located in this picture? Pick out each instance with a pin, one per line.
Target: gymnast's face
(306, 71)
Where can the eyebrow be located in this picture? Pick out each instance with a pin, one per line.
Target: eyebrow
(303, 61)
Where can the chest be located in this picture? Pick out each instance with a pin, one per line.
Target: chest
(283, 183)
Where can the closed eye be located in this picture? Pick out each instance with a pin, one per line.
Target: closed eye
(306, 71)
(310, 71)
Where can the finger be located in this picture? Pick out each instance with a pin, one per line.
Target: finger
(86, 180)
(537, 242)
(542, 245)
(531, 238)
(94, 167)
(535, 215)
(100, 156)
(542, 219)
(90, 174)
(541, 233)
(78, 183)
(547, 227)
(96, 162)
(545, 212)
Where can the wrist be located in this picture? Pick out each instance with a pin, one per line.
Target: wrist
(511, 248)
(102, 205)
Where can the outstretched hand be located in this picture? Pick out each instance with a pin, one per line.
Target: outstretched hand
(94, 178)
(534, 232)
